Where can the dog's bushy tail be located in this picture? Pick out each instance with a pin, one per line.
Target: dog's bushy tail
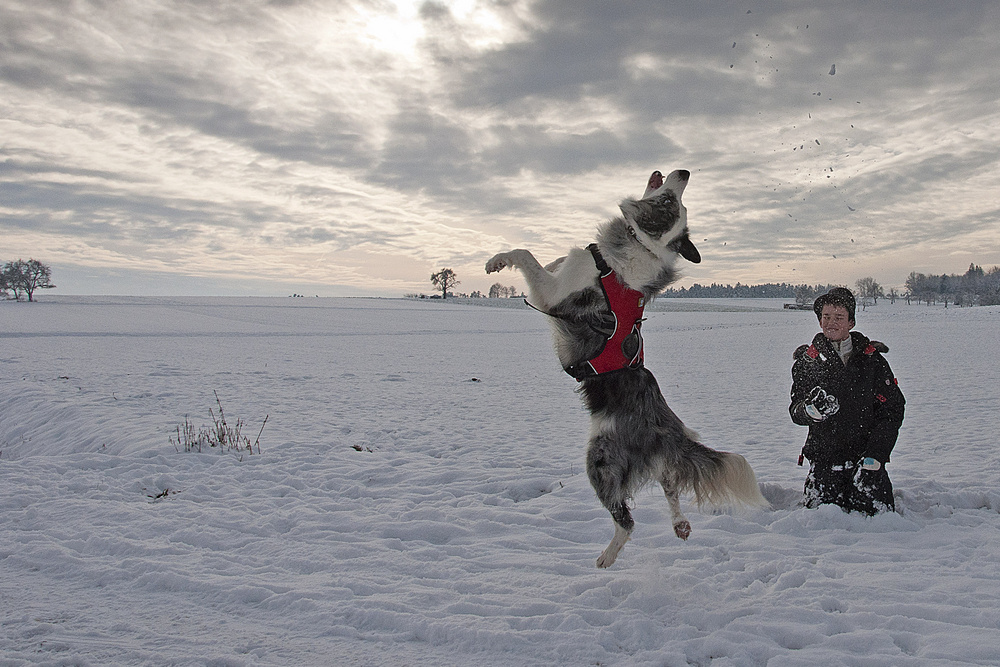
(721, 479)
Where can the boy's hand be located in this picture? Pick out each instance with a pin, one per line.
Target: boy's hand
(820, 405)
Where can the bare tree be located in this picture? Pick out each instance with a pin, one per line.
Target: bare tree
(23, 277)
(804, 295)
(869, 290)
(913, 286)
(445, 279)
(36, 276)
(990, 295)
(10, 279)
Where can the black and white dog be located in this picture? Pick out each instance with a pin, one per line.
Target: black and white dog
(594, 299)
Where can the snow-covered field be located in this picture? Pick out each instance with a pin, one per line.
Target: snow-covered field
(420, 497)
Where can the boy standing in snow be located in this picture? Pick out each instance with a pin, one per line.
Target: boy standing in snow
(845, 392)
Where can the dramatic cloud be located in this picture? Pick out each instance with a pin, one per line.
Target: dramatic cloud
(272, 147)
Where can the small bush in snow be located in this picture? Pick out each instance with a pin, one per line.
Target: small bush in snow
(227, 437)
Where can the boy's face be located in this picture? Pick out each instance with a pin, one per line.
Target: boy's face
(835, 322)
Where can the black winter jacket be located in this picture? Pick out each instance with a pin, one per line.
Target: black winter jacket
(871, 404)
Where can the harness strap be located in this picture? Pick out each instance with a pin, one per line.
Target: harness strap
(605, 331)
(599, 260)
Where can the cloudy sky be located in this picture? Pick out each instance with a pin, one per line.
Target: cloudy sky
(355, 147)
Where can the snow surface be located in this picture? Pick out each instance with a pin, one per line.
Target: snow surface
(420, 497)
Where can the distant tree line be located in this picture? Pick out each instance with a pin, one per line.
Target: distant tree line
(975, 287)
(20, 279)
(498, 291)
(740, 291)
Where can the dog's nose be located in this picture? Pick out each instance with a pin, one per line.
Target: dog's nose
(683, 174)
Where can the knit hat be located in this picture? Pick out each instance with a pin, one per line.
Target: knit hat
(838, 296)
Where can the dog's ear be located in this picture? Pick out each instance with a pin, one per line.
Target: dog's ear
(687, 250)
(654, 183)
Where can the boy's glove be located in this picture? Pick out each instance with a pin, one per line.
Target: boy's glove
(820, 405)
(870, 464)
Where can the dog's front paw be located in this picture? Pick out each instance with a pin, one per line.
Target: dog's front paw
(498, 261)
(606, 560)
(682, 529)
(609, 555)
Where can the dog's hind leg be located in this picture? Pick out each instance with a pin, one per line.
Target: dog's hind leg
(682, 527)
(609, 479)
(621, 536)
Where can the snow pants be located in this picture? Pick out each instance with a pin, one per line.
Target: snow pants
(849, 486)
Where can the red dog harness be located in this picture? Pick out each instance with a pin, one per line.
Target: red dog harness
(623, 347)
